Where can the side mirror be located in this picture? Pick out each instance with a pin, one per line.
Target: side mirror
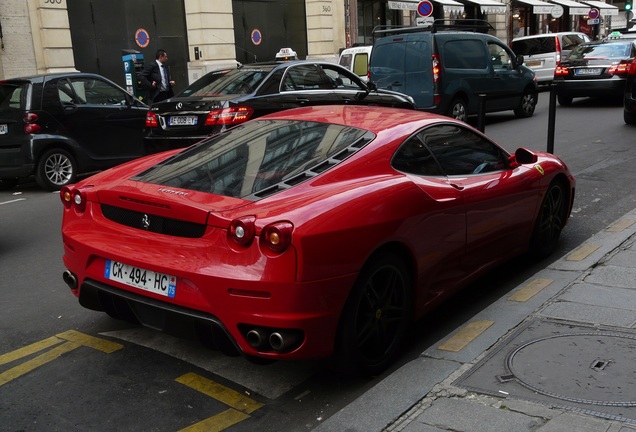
(524, 156)
(519, 60)
(372, 86)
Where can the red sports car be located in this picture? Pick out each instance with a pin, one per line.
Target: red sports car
(313, 232)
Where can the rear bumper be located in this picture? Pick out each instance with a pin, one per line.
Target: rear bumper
(591, 88)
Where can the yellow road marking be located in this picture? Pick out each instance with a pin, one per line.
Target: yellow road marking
(29, 349)
(219, 392)
(38, 361)
(530, 290)
(620, 225)
(90, 341)
(465, 336)
(218, 422)
(582, 252)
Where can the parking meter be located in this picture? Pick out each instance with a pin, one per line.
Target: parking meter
(133, 65)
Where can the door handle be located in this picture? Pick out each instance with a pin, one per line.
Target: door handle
(396, 84)
(456, 186)
(302, 100)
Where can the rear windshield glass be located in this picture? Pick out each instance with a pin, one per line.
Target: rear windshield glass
(251, 157)
(614, 50)
(534, 46)
(11, 96)
(228, 82)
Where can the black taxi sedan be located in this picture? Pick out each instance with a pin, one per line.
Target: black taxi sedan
(224, 98)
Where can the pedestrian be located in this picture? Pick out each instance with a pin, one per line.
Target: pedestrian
(155, 77)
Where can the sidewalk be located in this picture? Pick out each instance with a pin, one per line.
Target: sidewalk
(558, 354)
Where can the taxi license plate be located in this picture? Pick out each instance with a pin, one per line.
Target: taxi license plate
(136, 277)
(4, 129)
(595, 71)
(182, 121)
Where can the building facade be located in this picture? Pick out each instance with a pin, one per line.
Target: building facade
(42, 36)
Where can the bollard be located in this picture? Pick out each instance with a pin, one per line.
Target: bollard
(551, 118)
(481, 116)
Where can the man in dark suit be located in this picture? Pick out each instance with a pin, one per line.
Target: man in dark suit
(156, 78)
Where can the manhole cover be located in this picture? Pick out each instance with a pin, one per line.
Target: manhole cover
(566, 365)
(588, 368)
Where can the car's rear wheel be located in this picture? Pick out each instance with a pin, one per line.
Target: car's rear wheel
(629, 117)
(458, 110)
(527, 104)
(56, 168)
(550, 221)
(564, 100)
(375, 318)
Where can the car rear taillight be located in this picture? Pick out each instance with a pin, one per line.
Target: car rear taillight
(151, 120)
(30, 125)
(436, 70)
(557, 46)
(277, 236)
(73, 198)
(229, 116)
(620, 69)
(242, 230)
(561, 71)
(632, 68)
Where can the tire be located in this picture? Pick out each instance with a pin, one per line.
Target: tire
(550, 221)
(629, 117)
(564, 100)
(56, 168)
(458, 110)
(375, 318)
(527, 105)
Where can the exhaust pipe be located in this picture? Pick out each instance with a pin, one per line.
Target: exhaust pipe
(256, 338)
(70, 279)
(281, 340)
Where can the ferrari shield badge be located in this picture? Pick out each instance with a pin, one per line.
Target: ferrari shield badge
(540, 169)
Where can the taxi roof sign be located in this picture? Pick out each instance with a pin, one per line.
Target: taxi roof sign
(286, 54)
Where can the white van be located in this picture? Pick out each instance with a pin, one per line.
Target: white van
(543, 52)
(356, 60)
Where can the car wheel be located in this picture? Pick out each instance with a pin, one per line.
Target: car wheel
(550, 221)
(629, 117)
(458, 110)
(375, 318)
(526, 105)
(564, 100)
(56, 168)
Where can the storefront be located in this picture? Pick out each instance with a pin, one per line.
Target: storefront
(572, 16)
(528, 17)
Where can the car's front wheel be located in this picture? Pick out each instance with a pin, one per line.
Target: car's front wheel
(375, 318)
(458, 110)
(550, 221)
(527, 104)
(629, 117)
(56, 168)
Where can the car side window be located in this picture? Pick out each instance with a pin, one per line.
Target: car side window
(97, 92)
(499, 56)
(305, 77)
(339, 79)
(414, 157)
(460, 151)
(464, 54)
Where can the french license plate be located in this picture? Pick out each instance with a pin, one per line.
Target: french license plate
(136, 277)
(594, 71)
(182, 121)
(4, 129)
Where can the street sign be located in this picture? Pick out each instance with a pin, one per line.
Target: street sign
(593, 13)
(425, 8)
(424, 21)
(593, 21)
(142, 38)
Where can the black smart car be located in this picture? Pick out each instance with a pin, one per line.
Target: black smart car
(225, 98)
(57, 126)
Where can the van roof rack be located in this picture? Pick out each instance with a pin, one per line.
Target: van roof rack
(474, 25)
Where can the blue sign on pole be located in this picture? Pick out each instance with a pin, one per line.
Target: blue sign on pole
(256, 37)
(425, 8)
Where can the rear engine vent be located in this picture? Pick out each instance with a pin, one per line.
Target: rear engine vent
(153, 223)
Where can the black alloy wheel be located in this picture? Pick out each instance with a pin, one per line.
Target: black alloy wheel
(458, 110)
(550, 221)
(527, 104)
(375, 317)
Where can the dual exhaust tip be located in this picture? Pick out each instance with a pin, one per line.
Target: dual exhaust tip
(263, 339)
(70, 279)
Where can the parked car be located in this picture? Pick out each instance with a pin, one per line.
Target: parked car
(56, 126)
(629, 97)
(446, 67)
(228, 97)
(543, 52)
(313, 232)
(356, 59)
(595, 69)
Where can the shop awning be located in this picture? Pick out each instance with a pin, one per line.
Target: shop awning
(605, 8)
(451, 6)
(403, 5)
(490, 6)
(538, 6)
(575, 8)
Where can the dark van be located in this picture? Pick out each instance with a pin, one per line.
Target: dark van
(447, 66)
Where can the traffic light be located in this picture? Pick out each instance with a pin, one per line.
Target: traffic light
(628, 5)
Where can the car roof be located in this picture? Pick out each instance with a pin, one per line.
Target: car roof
(544, 35)
(48, 76)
